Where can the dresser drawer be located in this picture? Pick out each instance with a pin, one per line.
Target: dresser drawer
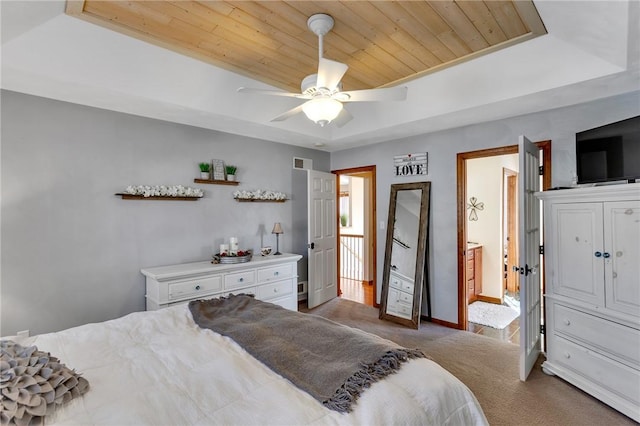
(248, 290)
(614, 376)
(274, 290)
(406, 298)
(239, 279)
(275, 273)
(400, 284)
(608, 336)
(395, 282)
(193, 288)
(395, 307)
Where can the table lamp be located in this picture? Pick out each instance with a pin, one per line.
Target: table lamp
(277, 229)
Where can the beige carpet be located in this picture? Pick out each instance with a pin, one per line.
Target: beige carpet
(489, 368)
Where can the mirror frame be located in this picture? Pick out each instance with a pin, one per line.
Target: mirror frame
(421, 272)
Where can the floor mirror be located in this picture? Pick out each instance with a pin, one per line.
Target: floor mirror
(405, 267)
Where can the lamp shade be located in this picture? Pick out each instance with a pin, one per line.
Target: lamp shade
(277, 228)
(322, 110)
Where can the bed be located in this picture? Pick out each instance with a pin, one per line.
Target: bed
(161, 368)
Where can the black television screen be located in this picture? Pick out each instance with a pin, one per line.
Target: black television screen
(609, 153)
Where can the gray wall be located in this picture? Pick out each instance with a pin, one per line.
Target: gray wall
(559, 125)
(72, 251)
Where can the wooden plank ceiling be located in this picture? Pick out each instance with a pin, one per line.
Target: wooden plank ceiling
(383, 42)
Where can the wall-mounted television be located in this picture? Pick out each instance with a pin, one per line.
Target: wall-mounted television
(609, 153)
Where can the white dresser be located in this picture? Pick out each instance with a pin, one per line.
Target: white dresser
(592, 260)
(270, 278)
(400, 300)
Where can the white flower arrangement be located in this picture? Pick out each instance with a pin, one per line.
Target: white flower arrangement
(260, 194)
(164, 191)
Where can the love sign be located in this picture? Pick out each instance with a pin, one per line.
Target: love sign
(410, 164)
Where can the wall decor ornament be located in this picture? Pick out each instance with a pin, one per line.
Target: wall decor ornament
(218, 169)
(410, 164)
(148, 191)
(205, 168)
(260, 195)
(473, 206)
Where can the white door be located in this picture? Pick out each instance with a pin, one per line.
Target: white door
(321, 190)
(529, 255)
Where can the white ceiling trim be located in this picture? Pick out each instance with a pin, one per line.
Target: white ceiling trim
(72, 60)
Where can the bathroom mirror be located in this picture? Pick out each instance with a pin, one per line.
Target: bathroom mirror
(405, 254)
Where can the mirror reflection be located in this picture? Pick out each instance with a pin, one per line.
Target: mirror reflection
(405, 253)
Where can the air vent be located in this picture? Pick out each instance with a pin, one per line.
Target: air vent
(303, 290)
(302, 163)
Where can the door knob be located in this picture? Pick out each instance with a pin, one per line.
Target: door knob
(526, 270)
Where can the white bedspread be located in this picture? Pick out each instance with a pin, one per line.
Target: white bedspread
(160, 368)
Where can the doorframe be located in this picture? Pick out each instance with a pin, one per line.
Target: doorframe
(509, 217)
(461, 176)
(371, 231)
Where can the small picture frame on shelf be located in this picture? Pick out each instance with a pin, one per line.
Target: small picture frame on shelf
(217, 170)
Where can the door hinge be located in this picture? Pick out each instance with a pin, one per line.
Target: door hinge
(541, 250)
(540, 170)
(542, 329)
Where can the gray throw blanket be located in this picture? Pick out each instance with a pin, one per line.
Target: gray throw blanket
(331, 362)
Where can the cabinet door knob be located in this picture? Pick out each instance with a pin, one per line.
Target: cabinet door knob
(606, 255)
(567, 322)
(198, 287)
(598, 254)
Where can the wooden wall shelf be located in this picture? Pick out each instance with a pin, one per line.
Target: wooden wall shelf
(217, 182)
(251, 200)
(141, 197)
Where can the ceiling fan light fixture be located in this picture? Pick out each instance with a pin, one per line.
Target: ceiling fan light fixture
(322, 110)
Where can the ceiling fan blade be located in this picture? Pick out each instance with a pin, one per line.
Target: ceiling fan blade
(271, 93)
(289, 113)
(373, 95)
(330, 73)
(343, 118)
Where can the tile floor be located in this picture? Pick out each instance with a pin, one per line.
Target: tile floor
(510, 333)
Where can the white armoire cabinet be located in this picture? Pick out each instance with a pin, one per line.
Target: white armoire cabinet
(592, 261)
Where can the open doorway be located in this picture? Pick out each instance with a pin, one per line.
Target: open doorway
(356, 234)
(487, 237)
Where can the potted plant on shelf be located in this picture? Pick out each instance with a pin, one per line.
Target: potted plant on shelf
(204, 170)
(231, 172)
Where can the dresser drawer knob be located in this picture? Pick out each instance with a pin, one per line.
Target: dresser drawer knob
(275, 290)
(276, 273)
(241, 279)
(567, 355)
(567, 322)
(198, 287)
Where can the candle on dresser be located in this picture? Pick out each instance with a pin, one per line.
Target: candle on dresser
(233, 245)
(224, 248)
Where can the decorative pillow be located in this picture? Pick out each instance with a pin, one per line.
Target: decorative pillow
(32, 383)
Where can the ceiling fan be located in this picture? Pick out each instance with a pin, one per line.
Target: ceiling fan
(323, 91)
